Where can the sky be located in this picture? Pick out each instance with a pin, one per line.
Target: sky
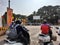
(26, 7)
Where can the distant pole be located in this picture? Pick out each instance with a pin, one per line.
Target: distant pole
(9, 3)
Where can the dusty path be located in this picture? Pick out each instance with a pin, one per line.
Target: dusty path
(34, 31)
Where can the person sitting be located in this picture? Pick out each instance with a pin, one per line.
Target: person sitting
(23, 35)
(46, 29)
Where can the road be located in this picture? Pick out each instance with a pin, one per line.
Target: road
(34, 31)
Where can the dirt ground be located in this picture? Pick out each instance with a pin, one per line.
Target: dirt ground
(34, 32)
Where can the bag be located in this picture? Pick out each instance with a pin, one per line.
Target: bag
(54, 38)
(12, 32)
(44, 38)
(59, 32)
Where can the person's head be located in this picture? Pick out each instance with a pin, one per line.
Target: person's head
(18, 22)
(44, 21)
